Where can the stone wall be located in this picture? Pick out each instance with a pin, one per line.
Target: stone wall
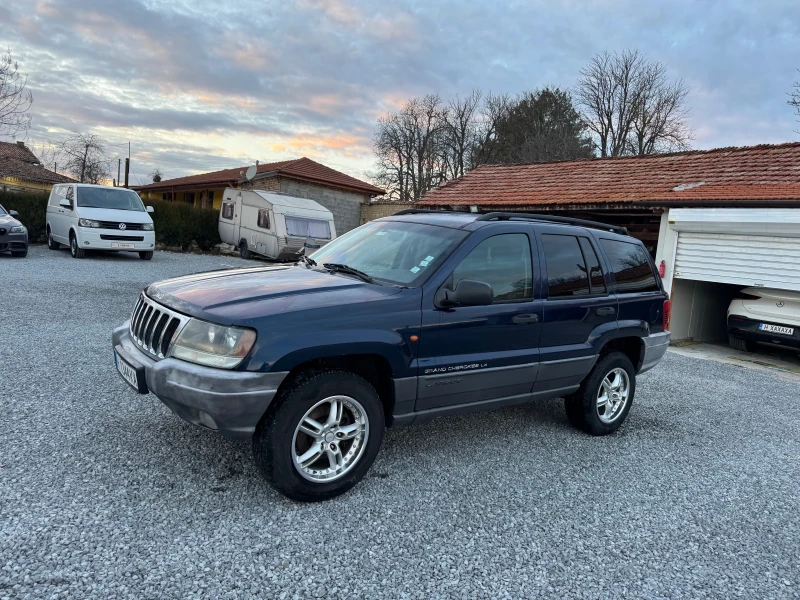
(376, 210)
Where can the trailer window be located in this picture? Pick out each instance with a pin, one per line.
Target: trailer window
(314, 228)
(263, 218)
(227, 210)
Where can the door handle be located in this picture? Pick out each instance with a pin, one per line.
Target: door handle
(605, 311)
(524, 319)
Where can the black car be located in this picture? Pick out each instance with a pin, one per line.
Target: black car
(419, 315)
(13, 234)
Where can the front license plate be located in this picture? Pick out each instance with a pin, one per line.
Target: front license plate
(776, 329)
(128, 373)
(121, 245)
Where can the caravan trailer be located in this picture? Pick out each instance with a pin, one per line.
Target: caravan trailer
(272, 224)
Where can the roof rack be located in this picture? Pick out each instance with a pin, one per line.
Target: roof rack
(415, 211)
(508, 216)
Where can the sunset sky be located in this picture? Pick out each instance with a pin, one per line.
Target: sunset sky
(197, 85)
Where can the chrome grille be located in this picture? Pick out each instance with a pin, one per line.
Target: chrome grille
(115, 225)
(154, 326)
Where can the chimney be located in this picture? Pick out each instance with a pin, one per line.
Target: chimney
(21, 144)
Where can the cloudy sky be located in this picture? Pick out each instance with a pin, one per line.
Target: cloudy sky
(197, 86)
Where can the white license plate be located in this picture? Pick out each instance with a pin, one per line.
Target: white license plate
(121, 245)
(128, 372)
(776, 329)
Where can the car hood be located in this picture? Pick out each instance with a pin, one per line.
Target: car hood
(9, 221)
(114, 214)
(240, 295)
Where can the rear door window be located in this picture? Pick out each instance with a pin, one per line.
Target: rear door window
(502, 261)
(566, 269)
(596, 278)
(631, 267)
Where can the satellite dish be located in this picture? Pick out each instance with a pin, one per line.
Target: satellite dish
(251, 172)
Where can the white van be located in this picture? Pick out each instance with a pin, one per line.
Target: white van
(99, 217)
(273, 224)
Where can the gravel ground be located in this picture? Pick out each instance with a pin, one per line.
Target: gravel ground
(104, 493)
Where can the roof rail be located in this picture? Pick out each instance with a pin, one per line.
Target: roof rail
(414, 211)
(508, 216)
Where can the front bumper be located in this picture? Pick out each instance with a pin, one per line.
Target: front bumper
(748, 329)
(655, 347)
(231, 402)
(13, 242)
(93, 239)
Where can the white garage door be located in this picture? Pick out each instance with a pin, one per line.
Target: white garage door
(745, 260)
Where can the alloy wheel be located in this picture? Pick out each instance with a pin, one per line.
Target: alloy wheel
(612, 397)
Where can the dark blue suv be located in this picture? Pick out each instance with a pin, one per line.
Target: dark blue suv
(406, 318)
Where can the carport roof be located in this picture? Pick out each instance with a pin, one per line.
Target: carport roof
(740, 176)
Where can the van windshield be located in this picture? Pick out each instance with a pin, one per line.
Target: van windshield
(394, 251)
(114, 198)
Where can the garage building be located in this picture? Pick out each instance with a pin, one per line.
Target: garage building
(719, 220)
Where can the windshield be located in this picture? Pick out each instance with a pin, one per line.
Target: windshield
(397, 252)
(116, 198)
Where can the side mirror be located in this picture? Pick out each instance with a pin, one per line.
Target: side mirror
(467, 293)
(149, 209)
(65, 203)
(13, 213)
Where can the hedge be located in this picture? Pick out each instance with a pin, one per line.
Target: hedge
(176, 224)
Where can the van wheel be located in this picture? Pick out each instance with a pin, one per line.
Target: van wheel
(146, 255)
(74, 249)
(51, 243)
(244, 251)
(738, 343)
(605, 397)
(321, 436)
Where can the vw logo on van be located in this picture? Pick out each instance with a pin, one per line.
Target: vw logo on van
(779, 304)
(122, 226)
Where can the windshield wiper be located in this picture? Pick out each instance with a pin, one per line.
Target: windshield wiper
(349, 270)
(309, 262)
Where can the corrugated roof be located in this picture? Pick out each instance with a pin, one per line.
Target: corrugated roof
(765, 172)
(17, 160)
(299, 168)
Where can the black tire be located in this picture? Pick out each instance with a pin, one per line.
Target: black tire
(51, 243)
(75, 250)
(244, 251)
(738, 343)
(146, 255)
(274, 438)
(20, 253)
(582, 407)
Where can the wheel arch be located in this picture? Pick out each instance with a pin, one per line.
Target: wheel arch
(631, 345)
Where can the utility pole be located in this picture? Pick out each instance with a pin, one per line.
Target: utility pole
(127, 170)
(83, 164)
(119, 162)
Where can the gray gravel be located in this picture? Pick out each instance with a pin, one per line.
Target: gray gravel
(104, 493)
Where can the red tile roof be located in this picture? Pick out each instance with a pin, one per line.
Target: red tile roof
(299, 168)
(766, 172)
(17, 160)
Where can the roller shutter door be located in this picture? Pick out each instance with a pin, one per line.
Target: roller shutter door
(744, 260)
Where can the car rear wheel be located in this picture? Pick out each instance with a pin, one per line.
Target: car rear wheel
(75, 250)
(321, 436)
(51, 243)
(146, 255)
(605, 397)
(244, 251)
(738, 343)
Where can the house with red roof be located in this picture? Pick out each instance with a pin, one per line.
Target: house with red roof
(342, 194)
(716, 221)
(21, 171)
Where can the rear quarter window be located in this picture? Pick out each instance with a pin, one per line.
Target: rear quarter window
(630, 266)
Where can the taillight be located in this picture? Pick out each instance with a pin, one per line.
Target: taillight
(745, 296)
(667, 314)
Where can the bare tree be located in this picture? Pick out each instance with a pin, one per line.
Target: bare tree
(85, 158)
(495, 109)
(794, 97)
(631, 107)
(462, 131)
(15, 100)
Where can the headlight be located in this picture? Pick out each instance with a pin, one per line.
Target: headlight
(147, 227)
(213, 345)
(89, 223)
(17, 229)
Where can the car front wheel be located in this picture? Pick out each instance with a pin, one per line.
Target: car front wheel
(147, 255)
(75, 250)
(51, 243)
(321, 436)
(605, 397)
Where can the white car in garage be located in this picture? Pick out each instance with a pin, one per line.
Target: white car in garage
(764, 315)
